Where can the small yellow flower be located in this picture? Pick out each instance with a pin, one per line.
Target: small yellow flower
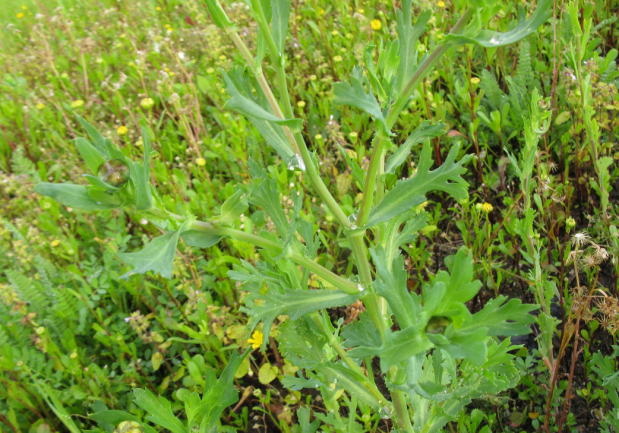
(475, 81)
(122, 130)
(40, 106)
(256, 339)
(55, 243)
(77, 104)
(158, 8)
(301, 104)
(201, 162)
(147, 103)
(20, 15)
(441, 4)
(337, 58)
(361, 11)
(353, 135)
(321, 11)
(486, 208)
(318, 137)
(376, 25)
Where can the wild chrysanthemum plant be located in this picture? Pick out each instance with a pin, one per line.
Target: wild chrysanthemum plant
(435, 356)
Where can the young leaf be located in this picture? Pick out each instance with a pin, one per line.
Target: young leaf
(217, 13)
(463, 345)
(303, 414)
(254, 109)
(70, 195)
(491, 39)
(391, 284)
(410, 192)
(96, 136)
(232, 208)
(198, 239)
(354, 94)
(369, 66)
(408, 35)
(266, 195)
(423, 132)
(218, 396)
(90, 154)
(460, 285)
(159, 410)
(157, 256)
(140, 176)
(111, 418)
(280, 11)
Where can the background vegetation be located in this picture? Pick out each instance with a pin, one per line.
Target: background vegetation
(74, 337)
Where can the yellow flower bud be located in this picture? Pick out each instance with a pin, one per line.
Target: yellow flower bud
(147, 103)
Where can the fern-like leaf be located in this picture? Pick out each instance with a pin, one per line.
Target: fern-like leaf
(491, 89)
(524, 70)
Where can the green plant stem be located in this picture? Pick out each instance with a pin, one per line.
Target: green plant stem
(262, 82)
(371, 179)
(401, 411)
(296, 141)
(371, 302)
(424, 69)
(378, 154)
(339, 282)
